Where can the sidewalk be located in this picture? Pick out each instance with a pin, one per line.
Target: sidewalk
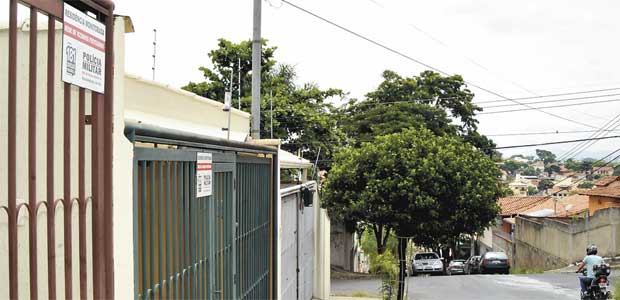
(351, 298)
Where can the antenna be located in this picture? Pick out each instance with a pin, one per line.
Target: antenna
(239, 83)
(154, 51)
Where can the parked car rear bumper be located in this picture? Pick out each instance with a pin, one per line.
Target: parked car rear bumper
(494, 269)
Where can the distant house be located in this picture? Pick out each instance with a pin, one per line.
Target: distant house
(609, 181)
(602, 197)
(603, 171)
(560, 191)
(519, 187)
(511, 207)
(538, 166)
(556, 207)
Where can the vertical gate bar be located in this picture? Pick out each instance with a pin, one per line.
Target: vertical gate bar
(108, 149)
(51, 209)
(32, 153)
(82, 193)
(160, 264)
(136, 230)
(67, 192)
(11, 111)
(96, 200)
(144, 228)
(233, 232)
(192, 205)
(151, 227)
(168, 213)
(187, 242)
(183, 238)
(175, 241)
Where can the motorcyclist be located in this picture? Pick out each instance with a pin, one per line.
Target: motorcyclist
(589, 262)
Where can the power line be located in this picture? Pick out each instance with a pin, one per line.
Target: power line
(587, 145)
(546, 133)
(556, 100)
(600, 160)
(596, 134)
(554, 143)
(552, 95)
(547, 107)
(372, 41)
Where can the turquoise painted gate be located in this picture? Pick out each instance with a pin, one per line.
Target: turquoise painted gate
(214, 247)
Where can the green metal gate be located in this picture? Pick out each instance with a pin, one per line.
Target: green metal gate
(214, 247)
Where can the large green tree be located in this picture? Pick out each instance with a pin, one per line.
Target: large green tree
(442, 104)
(545, 156)
(421, 185)
(303, 118)
(512, 166)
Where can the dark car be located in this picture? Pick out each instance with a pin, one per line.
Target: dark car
(456, 266)
(472, 265)
(494, 262)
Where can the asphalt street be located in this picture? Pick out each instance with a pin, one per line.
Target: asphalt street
(479, 287)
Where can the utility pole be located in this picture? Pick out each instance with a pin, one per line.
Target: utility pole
(271, 113)
(256, 70)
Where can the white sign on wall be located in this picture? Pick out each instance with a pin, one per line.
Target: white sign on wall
(83, 50)
(204, 175)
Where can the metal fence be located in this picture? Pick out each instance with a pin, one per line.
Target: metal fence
(214, 247)
(65, 249)
(298, 251)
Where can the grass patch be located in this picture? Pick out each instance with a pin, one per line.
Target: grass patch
(358, 294)
(616, 294)
(526, 271)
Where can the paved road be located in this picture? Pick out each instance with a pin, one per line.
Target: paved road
(479, 287)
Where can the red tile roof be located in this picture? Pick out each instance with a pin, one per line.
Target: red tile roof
(605, 181)
(515, 205)
(611, 192)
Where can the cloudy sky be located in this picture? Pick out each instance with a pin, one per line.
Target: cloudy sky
(514, 48)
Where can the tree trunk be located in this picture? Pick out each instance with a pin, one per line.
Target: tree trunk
(381, 238)
(402, 266)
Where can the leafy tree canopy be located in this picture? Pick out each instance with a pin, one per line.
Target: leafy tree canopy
(545, 184)
(417, 183)
(531, 191)
(428, 100)
(545, 156)
(302, 116)
(512, 166)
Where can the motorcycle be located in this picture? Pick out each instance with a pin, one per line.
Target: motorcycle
(598, 289)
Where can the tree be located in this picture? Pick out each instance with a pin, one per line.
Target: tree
(573, 165)
(530, 171)
(586, 185)
(512, 166)
(302, 117)
(545, 184)
(545, 156)
(531, 191)
(416, 183)
(428, 100)
(550, 169)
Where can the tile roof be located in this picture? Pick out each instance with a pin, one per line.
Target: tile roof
(515, 205)
(611, 192)
(571, 205)
(605, 181)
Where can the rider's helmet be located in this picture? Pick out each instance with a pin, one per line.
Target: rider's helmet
(592, 250)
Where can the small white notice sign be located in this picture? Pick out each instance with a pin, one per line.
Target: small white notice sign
(83, 50)
(204, 175)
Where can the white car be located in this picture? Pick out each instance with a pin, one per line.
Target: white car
(427, 263)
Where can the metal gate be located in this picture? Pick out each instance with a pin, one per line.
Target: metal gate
(298, 246)
(57, 231)
(214, 247)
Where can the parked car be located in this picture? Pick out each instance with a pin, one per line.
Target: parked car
(494, 262)
(472, 265)
(427, 263)
(456, 266)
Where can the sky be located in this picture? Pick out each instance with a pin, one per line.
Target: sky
(513, 48)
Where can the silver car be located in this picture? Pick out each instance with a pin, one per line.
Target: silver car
(427, 263)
